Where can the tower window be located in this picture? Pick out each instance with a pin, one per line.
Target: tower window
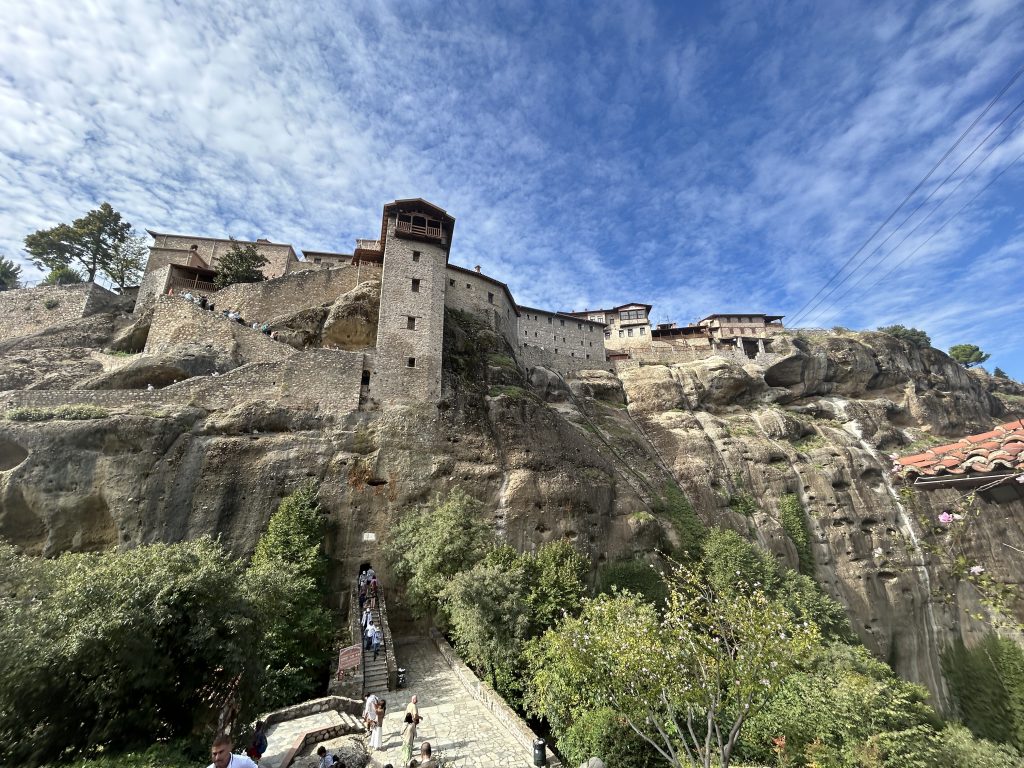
(316, 261)
(415, 285)
(579, 325)
(490, 297)
(549, 321)
(643, 331)
(410, 323)
(415, 255)
(468, 285)
(562, 322)
(451, 283)
(411, 363)
(621, 333)
(365, 381)
(629, 332)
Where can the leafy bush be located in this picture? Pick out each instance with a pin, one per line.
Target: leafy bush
(119, 649)
(287, 579)
(603, 733)
(51, 303)
(987, 683)
(674, 506)
(61, 413)
(159, 756)
(743, 503)
(62, 275)
(794, 523)
(241, 264)
(961, 750)
(913, 336)
(634, 576)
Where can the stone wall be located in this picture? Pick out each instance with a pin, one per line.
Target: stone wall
(484, 297)
(177, 321)
(323, 380)
(154, 284)
(668, 353)
(560, 343)
(25, 310)
(483, 693)
(169, 249)
(296, 290)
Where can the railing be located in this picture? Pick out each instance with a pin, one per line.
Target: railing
(418, 229)
(194, 284)
(367, 245)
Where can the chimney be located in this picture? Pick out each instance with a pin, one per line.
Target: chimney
(477, 267)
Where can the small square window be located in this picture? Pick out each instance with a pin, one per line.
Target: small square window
(415, 285)
(629, 332)
(621, 333)
(581, 342)
(579, 325)
(490, 297)
(316, 261)
(451, 283)
(415, 255)
(562, 322)
(588, 357)
(526, 333)
(410, 323)
(643, 331)
(411, 362)
(549, 321)
(468, 285)
(556, 350)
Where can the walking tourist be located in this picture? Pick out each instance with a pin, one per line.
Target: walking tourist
(412, 708)
(426, 761)
(408, 736)
(376, 734)
(378, 638)
(370, 711)
(370, 629)
(258, 745)
(220, 752)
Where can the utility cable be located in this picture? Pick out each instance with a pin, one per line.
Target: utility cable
(914, 191)
(813, 314)
(812, 311)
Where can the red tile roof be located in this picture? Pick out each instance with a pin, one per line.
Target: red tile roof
(997, 451)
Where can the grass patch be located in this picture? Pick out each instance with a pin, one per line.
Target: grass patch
(743, 503)
(60, 413)
(635, 576)
(643, 516)
(810, 442)
(501, 361)
(51, 303)
(924, 443)
(676, 508)
(794, 523)
(508, 390)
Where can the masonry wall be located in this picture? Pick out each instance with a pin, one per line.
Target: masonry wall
(323, 380)
(23, 311)
(297, 290)
(560, 343)
(168, 249)
(481, 296)
(393, 379)
(154, 284)
(176, 321)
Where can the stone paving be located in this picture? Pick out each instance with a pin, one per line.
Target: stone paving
(281, 736)
(455, 724)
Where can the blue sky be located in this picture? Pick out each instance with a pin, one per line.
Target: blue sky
(702, 158)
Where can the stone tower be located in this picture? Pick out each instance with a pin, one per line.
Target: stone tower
(415, 239)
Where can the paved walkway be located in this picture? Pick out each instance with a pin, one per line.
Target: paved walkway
(282, 736)
(455, 724)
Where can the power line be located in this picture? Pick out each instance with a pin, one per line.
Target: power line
(921, 183)
(812, 313)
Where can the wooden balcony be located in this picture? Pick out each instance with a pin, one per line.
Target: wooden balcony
(420, 230)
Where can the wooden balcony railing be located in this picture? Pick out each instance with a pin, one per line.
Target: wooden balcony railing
(192, 284)
(418, 229)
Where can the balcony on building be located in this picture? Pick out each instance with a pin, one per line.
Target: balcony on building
(412, 225)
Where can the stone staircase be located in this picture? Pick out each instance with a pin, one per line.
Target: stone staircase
(375, 673)
(293, 729)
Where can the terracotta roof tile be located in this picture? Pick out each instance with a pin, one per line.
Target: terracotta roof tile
(998, 450)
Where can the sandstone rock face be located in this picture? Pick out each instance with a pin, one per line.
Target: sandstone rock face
(550, 458)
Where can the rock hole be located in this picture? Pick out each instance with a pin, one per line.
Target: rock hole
(11, 455)
(376, 481)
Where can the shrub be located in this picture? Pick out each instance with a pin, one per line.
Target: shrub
(912, 336)
(794, 523)
(634, 576)
(51, 303)
(60, 413)
(674, 506)
(604, 733)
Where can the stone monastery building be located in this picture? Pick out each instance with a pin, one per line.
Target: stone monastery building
(410, 258)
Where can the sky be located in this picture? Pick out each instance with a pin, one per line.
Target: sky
(700, 157)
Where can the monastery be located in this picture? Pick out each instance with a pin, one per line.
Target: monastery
(411, 260)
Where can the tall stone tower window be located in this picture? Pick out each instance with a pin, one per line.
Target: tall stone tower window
(490, 297)
(411, 362)
(415, 285)
(410, 323)
(415, 255)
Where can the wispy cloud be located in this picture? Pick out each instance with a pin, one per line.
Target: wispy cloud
(719, 159)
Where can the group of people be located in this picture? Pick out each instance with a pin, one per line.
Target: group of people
(373, 716)
(230, 313)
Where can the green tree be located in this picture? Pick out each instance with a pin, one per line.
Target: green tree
(241, 264)
(968, 355)
(287, 579)
(686, 680)
(119, 649)
(999, 373)
(127, 261)
(914, 336)
(62, 276)
(10, 274)
(88, 242)
(429, 545)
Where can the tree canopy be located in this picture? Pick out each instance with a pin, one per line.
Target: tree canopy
(914, 336)
(90, 242)
(241, 264)
(127, 262)
(62, 276)
(968, 355)
(10, 274)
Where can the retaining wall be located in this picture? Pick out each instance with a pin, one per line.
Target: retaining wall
(560, 343)
(484, 297)
(483, 693)
(176, 321)
(24, 311)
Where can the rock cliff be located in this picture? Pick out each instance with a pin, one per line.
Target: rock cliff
(585, 459)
